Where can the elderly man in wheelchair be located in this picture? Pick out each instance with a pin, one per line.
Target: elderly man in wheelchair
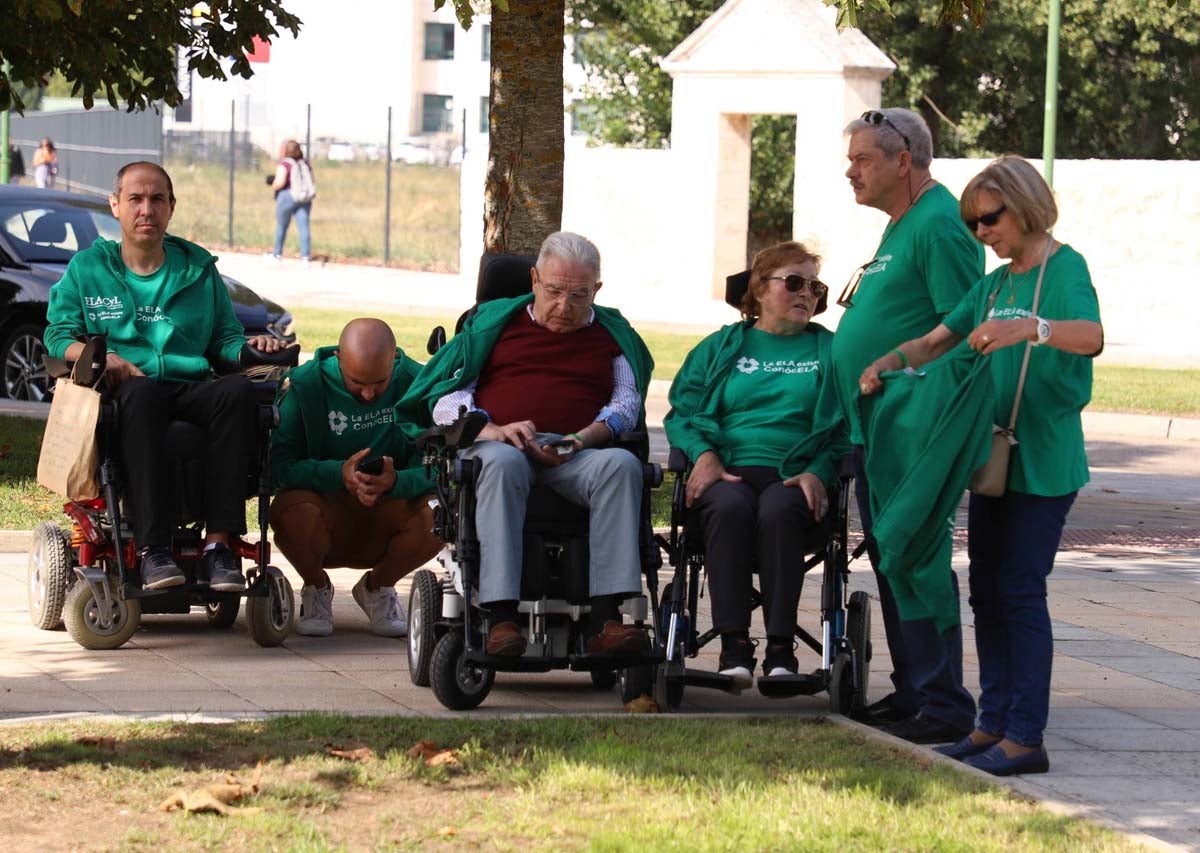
(549, 382)
(167, 321)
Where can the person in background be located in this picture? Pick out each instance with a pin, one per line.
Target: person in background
(16, 164)
(45, 164)
(287, 203)
(1014, 538)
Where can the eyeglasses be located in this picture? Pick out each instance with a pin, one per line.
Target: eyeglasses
(796, 283)
(555, 292)
(988, 219)
(876, 118)
(846, 300)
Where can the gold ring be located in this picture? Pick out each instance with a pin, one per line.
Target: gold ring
(986, 339)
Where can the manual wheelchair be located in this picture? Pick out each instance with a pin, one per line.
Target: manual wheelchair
(446, 632)
(88, 576)
(845, 642)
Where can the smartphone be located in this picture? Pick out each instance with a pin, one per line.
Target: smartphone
(563, 447)
(372, 466)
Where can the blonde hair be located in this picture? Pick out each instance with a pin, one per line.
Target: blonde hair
(1019, 187)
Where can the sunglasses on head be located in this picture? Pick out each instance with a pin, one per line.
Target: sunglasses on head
(796, 283)
(988, 219)
(876, 118)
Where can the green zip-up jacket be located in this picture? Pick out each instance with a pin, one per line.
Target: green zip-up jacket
(93, 298)
(321, 425)
(692, 425)
(463, 357)
(927, 432)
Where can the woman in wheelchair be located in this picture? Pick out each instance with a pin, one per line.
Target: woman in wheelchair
(744, 398)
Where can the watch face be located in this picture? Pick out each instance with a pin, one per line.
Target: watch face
(1043, 330)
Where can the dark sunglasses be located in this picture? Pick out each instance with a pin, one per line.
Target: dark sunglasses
(988, 219)
(846, 300)
(876, 118)
(796, 283)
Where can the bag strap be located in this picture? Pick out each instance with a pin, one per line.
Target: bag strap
(1037, 292)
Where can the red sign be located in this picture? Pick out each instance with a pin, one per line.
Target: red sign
(261, 51)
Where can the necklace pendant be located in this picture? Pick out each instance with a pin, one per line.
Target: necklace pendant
(1012, 297)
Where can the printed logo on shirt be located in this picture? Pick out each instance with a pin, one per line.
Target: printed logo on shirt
(338, 422)
(371, 420)
(150, 314)
(747, 365)
(104, 308)
(784, 365)
(1007, 313)
(879, 265)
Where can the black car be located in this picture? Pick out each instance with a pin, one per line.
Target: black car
(39, 232)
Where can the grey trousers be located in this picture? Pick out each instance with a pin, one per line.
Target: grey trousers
(608, 481)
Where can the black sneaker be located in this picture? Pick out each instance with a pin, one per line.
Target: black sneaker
(159, 570)
(223, 570)
(779, 660)
(737, 660)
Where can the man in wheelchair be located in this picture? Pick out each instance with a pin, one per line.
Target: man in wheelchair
(558, 378)
(169, 323)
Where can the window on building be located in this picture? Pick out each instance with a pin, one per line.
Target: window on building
(485, 52)
(484, 106)
(437, 113)
(439, 41)
(583, 118)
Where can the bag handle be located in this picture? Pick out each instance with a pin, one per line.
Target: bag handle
(1037, 292)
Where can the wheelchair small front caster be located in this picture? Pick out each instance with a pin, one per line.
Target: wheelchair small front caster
(458, 685)
(85, 622)
(424, 609)
(223, 612)
(604, 679)
(269, 616)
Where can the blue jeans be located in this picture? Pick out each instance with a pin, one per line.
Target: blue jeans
(285, 209)
(1013, 542)
(926, 665)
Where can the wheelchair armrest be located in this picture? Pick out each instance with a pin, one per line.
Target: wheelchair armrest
(453, 436)
(677, 461)
(57, 368)
(92, 362)
(437, 340)
(289, 356)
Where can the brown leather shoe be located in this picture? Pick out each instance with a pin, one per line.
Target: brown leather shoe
(617, 639)
(505, 639)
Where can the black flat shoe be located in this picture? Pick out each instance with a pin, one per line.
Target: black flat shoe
(922, 729)
(883, 713)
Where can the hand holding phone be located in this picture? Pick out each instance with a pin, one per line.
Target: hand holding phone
(563, 447)
(371, 466)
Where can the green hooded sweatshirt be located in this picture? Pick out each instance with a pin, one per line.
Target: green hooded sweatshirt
(693, 423)
(926, 433)
(321, 425)
(463, 357)
(93, 298)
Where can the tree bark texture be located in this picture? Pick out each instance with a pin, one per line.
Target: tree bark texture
(523, 191)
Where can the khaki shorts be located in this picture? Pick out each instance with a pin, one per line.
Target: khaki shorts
(359, 535)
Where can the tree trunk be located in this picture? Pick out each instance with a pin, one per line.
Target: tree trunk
(523, 193)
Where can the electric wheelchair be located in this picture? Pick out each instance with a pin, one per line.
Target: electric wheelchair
(844, 645)
(446, 631)
(89, 576)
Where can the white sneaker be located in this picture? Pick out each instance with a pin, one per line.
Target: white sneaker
(383, 608)
(316, 611)
(741, 675)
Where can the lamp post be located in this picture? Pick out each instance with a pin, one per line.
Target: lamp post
(1051, 120)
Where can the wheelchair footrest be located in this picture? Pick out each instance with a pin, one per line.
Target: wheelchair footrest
(711, 680)
(783, 686)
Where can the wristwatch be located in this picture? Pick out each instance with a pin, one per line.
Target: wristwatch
(1043, 331)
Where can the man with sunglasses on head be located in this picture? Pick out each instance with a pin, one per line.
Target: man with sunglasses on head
(925, 263)
(558, 378)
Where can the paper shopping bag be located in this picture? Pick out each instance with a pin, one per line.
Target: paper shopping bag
(69, 463)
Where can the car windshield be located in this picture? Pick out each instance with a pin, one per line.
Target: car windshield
(40, 231)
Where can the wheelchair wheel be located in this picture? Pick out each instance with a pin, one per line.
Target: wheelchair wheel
(668, 685)
(858, 634)
(456, 684)
(635, 682)
(603, 679)
(82, 617)
(841, 685)
(48, 575)
(269, 617)
(424, 609)
(223, 612)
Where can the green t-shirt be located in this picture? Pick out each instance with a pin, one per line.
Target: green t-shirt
(149, 318)
(1049, 459)
(768, 400)
(923, 267)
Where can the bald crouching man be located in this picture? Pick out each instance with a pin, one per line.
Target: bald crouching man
(335, 413)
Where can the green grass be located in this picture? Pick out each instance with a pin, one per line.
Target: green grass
(553, 784)
(1148, 390)
(23, 503)
(347, 214)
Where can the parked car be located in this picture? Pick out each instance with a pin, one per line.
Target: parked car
(411, 152)
(341, 152)
(40, 230)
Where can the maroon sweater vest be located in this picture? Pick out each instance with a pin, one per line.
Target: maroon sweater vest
(558, 380)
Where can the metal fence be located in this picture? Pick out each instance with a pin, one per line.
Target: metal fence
(92, 144)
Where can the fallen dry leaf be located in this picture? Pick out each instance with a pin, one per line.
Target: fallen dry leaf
(359, 753)
(423, 749)
(642, 705)
(97, 740)
(447, 758)
(447, 832)
(216, 798)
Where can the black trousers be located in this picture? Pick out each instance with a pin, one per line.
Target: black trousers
(758, 525)
(225, 409)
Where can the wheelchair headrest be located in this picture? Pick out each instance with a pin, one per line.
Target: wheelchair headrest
(737, 284)
(503, 276)
(49, 228)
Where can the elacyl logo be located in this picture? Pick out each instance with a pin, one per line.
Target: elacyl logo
(338, 422)
(747, 365)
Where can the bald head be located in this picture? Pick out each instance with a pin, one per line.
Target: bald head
(366, 355)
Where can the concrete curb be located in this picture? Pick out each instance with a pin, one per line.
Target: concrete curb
(1015, 784)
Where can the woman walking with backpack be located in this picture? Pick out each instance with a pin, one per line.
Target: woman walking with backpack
(294, 190)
